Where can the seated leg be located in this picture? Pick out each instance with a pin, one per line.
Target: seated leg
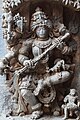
(65, 113)
(60, 77)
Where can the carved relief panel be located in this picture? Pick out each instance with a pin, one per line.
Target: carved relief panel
(41, 65)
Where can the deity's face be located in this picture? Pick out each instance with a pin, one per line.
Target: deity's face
(42, 32)
(72, 92)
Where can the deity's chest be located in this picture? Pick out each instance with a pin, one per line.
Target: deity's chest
(39, 47)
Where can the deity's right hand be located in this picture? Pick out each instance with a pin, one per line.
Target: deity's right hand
(28, 63)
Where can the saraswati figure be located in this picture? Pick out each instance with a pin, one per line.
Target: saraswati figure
(42, 57)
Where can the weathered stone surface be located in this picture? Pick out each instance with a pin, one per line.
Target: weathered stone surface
(5, 104)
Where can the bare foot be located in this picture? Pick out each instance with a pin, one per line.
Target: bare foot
(36, 115)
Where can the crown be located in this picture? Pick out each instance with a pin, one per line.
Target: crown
(39, 18)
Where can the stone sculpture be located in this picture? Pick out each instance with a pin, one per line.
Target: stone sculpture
(39, 62)
(72, 104)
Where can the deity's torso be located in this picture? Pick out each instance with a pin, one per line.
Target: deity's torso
(38, 47)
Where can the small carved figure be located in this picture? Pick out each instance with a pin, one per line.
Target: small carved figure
(71, 104)
(19, 21)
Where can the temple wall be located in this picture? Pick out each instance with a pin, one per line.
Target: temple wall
(74, 17)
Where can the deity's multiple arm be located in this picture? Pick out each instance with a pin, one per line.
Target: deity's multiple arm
(68, 46)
